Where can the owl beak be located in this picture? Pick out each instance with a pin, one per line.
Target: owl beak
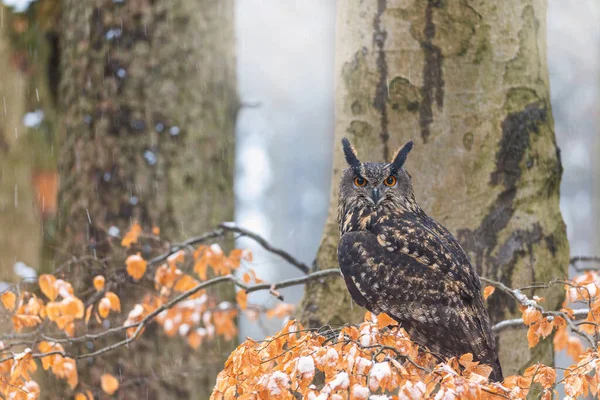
(376, 195)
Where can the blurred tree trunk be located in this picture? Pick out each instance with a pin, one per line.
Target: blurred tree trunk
(16, 197)
(468, 81)
(23, 152)
(147, 101)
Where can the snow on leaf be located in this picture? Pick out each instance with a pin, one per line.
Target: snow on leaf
(359, 392)
(379, 373)
(104, 307)
(306, 366)
(276, 383)
(531, 315)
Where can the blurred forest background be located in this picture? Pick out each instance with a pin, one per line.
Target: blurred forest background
(284, 62)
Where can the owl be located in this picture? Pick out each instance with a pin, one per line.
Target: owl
(396, 259)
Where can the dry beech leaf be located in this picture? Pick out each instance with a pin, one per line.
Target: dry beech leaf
(246, 277)
(132, 236)
(9, 300)
(487, 292)
(242, 299)
(136, 266)
(155, 230)
(384, 320)
(74, 307)
(104, 307)
(47, 286)
(282, 310)
(185, 283)
(109, 384)
(531, 315)
(99, 282)
(115, 302)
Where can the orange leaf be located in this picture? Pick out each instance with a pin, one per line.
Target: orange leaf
(194, 339)
(531, 315)
(242, 299)
(251, 275)
(155, 230)
(99, 283)
(533, 337)
(73, 306)
(136, 266)
(545, 376)
(384, 320)
(53, 310)
(246, 277)
(47, 287)
(109, 384)
(115, 302)
(487, 292)
(65, 368)
(9, 300)
(185, 283)
(175, 258)
(201, 268)
(282, 310)
(104, 307)
(25, 321)
(132, 236)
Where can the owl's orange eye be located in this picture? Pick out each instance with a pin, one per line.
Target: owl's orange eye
(390, 181)
(360, 181)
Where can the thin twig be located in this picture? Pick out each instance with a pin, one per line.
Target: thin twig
(232, 227)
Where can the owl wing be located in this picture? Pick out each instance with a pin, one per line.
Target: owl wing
(412, 276)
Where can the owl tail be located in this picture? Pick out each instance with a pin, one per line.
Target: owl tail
(496, 374)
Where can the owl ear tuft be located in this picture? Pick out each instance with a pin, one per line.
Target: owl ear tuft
(400, 156)
(350, 154)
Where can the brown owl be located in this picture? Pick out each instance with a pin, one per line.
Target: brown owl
(398, 260)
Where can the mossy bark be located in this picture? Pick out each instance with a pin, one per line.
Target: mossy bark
(147, 101)
(468, 81)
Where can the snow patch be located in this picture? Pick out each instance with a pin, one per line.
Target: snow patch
(306, 365)
(379, 372)
(360, 392)
(275, 382)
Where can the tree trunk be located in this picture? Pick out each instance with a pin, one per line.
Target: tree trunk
(468, 82)
(147, 100)
(19, 213)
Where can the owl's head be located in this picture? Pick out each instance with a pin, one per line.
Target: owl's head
(376, 184)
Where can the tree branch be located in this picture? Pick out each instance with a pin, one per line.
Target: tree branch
(517, 323)
(232, 227)
(177, 299)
